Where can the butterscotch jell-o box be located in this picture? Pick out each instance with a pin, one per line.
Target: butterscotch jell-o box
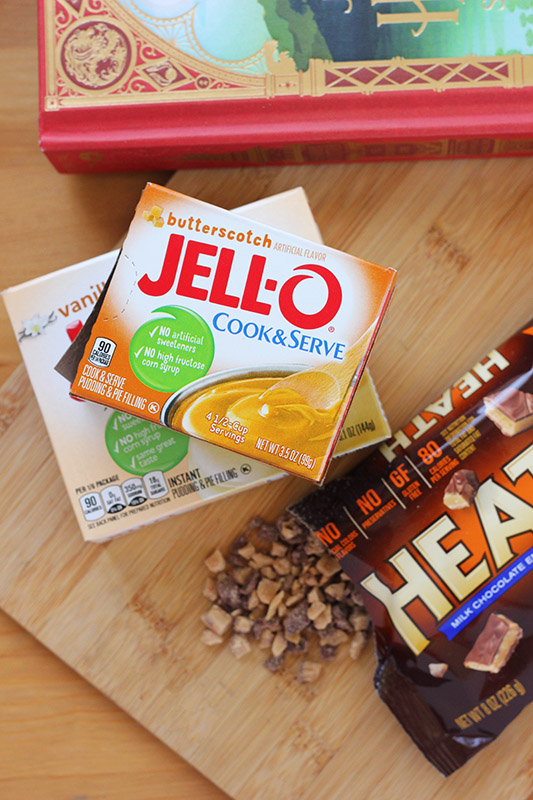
(233, 332)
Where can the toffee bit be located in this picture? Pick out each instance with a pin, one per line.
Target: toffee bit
(296, 620)
(261, 560)
(239, 542)
(268, 572)
(210, 590)
(360, 620)
(299, 557)
(210, 638)
(247, 551)
(282, 610)
(282, 566)
(334, 637)
(273, 663)
(357, 644)
(239, 645)
(228, 594)
(294, 638)
(293, 599)
(328, 629)
(236, 560)
(266, 639)
(356, 597)
(217, 620)
(336, 591)
(267, 589)
(254, 524)
(315, 609)
(250, 584)
(328, 565)
(274, 605)
(340, 613)
(241, 575)
(242, 624)
(298, 647)
(279, 645)
(267, 533)
(262, 624)
(290, 528)
(278, 550)
(287, 583)
(309, 672)
(328, 651)
(314, 547)
(215, 562)
(323, 620)
(315, 596)
(438, 670)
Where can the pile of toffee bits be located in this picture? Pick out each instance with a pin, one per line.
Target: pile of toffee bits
(279, 587)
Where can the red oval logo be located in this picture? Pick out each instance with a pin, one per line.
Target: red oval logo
(299, 318)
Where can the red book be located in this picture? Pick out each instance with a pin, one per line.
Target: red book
(167, 84)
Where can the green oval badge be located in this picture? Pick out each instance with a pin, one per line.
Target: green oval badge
(170, 352)
(139, 446)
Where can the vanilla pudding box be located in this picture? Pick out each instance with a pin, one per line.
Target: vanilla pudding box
(239, 334)
(121, 472)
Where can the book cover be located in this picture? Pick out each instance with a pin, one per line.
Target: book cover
(167, 83)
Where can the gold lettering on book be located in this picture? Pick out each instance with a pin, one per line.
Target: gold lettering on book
(422, 16)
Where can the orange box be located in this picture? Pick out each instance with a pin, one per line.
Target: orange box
(236, 333)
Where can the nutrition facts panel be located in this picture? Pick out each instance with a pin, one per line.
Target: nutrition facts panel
(116, 498)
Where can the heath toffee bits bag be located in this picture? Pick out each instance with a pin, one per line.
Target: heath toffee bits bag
(436, 527)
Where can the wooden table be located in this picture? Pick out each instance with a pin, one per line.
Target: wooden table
(60, 737)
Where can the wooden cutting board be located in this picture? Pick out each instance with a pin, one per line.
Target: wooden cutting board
(125, 614)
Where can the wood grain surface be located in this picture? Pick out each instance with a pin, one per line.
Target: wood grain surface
(125, 615)
(60, 738)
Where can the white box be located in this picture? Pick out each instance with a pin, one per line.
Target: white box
(121, 472)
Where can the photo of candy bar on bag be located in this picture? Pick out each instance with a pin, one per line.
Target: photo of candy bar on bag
(495, 644)
(511, 411)
(436, 529)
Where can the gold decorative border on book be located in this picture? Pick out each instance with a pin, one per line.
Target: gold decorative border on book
(160, 73)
